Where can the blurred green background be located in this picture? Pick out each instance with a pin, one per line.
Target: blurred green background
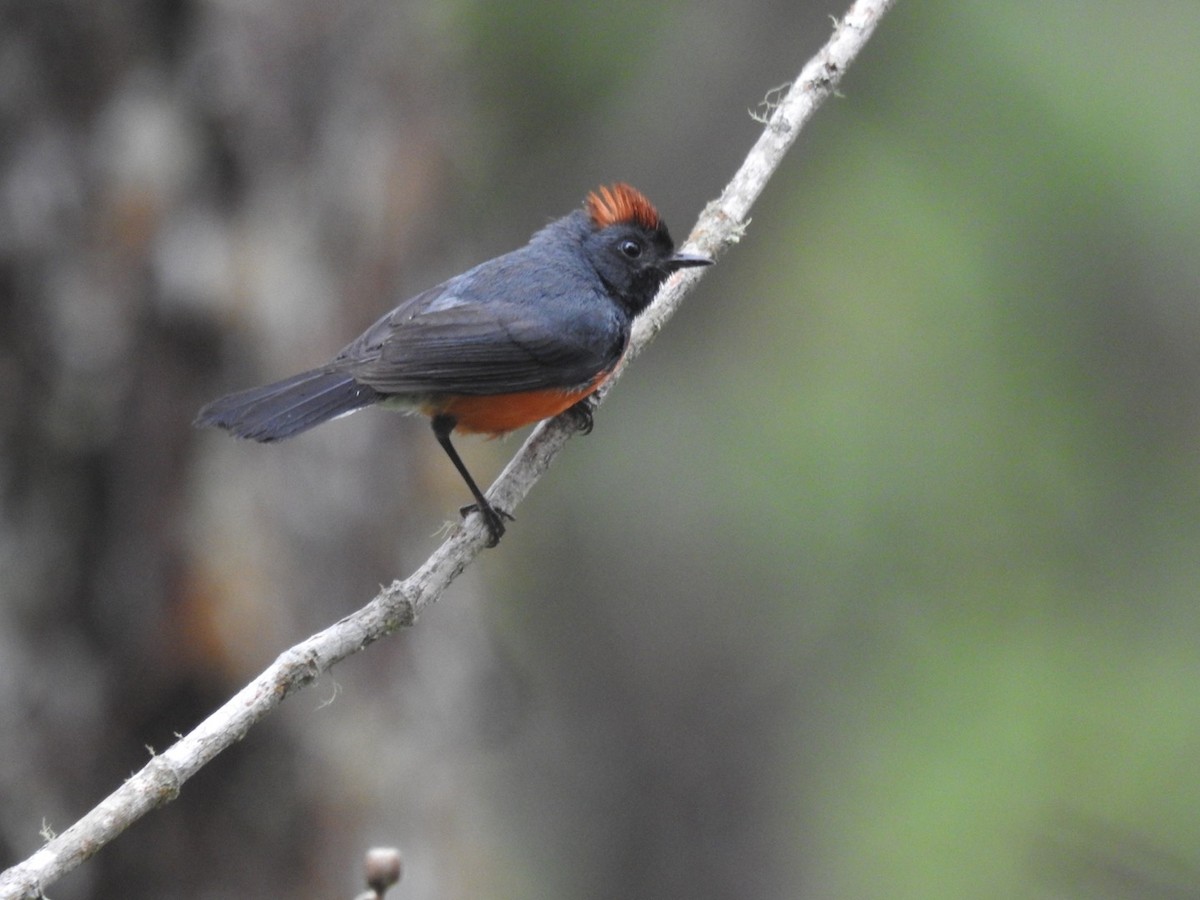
(878, 577)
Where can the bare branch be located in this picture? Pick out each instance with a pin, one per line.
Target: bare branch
(720, 225)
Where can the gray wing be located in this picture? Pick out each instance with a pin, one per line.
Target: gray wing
(442, 342)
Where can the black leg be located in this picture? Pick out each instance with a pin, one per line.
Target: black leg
(492, 517)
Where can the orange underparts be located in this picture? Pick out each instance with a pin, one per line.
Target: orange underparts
(496, 414)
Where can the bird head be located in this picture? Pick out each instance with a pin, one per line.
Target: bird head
(629, 246)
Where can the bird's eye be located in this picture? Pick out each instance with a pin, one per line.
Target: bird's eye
(631, 248)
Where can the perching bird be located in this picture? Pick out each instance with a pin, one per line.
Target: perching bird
(517, 339)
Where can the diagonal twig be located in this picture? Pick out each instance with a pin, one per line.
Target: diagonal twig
(719, 226)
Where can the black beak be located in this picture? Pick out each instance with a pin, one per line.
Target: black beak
(688, 261)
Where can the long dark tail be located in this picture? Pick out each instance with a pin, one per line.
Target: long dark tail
(277, 411)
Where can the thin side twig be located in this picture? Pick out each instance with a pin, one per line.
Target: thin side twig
(720, 225)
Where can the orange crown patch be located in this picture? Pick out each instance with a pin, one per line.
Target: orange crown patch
(621, 203)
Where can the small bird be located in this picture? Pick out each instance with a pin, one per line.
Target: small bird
(517, 339)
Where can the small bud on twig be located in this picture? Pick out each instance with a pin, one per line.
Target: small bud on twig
(384, 868)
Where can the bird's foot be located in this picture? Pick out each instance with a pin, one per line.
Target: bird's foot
(492, 518)
(581, 415)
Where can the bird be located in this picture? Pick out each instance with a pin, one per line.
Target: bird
(516, 339)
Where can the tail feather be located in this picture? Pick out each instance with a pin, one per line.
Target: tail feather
(279, 410)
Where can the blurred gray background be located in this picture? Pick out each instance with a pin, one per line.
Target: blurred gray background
(878, 577)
